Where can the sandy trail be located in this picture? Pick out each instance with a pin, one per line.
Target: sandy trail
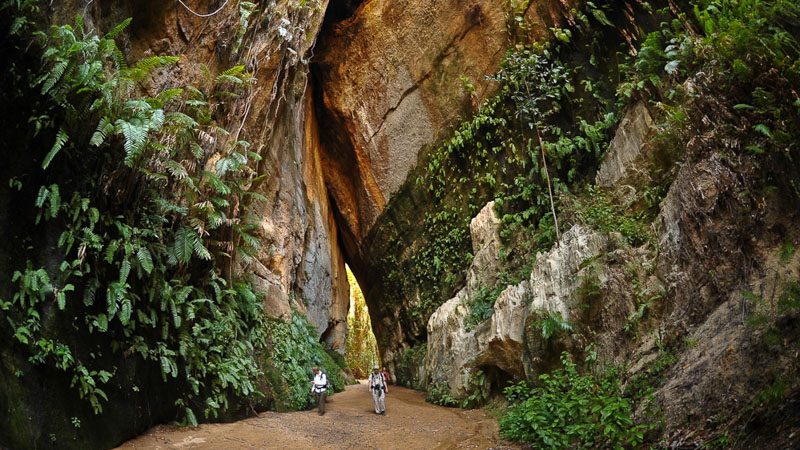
(349, 423)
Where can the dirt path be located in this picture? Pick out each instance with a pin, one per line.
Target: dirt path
(349, 423)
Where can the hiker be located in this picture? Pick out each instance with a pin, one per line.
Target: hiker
(386, 377)
(377, 385)
(319, 387)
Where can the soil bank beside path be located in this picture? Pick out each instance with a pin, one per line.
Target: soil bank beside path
(349, 423)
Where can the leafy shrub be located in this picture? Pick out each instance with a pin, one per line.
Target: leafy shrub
(570, 410)
(439, 394)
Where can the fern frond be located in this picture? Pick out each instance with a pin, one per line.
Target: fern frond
(61, 139)
(118, 29)
(125, 311)
(168, 95)
(182, 294)
(176, 169)
(90, 291)
(199, 249)
(184, 244)
(216, 183)
(104, 128)
(145, 259)
(124, 271)
(135, 135)
(111, 250)
(144, 67)
(55, 200)
(230, 79)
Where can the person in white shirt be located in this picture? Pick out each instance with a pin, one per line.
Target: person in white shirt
(377, 385)
(319, 387)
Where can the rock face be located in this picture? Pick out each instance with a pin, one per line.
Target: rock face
(300, 264)
(500, 344)
(721, 264)
(425, 65)
(629, 143)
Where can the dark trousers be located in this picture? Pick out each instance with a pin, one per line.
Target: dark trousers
(320, 402)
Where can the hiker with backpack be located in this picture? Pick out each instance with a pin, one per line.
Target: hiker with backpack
(319, 387)
(377, 385)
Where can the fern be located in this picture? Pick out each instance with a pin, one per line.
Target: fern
(167, 243)
(184, 245)
(145, 259)
(111, 35)
(199, 249)
(61, 139)
(552, 324)
(167, 95)
(89, 292)
(55, 200)
(126, 308)
(104, 128)
(124, 271)
(146, 66)
(176, 169)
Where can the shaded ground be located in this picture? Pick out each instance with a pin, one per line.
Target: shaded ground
(349, 423)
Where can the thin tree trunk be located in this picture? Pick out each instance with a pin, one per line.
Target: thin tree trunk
(549, 187)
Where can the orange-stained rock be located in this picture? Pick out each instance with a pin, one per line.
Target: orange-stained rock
(395, 78)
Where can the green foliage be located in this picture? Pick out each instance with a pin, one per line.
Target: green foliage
(570, 410)
(439, 394)
(407, 366)
(552, 324)
(738, 42)
(597, 211)
(543, 124)
(481, 305)
(295, 350)
(477, 390)
(147, 230)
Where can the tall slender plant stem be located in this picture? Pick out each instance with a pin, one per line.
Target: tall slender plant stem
(549, 185)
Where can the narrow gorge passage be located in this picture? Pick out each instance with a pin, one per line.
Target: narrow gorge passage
(410, 423)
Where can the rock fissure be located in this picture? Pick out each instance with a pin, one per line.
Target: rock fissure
(450, 49)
